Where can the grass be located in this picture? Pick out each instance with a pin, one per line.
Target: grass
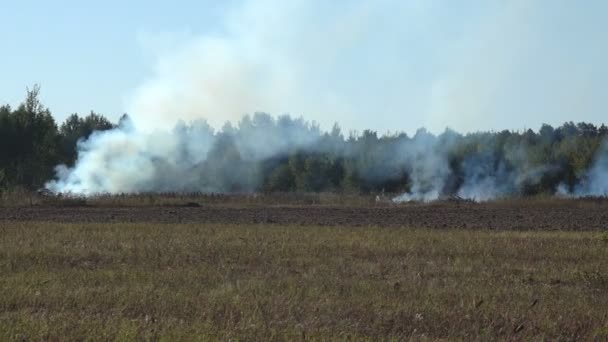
(209, 282)
(21, 198)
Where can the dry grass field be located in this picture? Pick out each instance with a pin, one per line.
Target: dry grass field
(251, 282)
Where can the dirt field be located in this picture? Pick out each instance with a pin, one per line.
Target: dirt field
(217, 282)
(131, 270)
(526, 215)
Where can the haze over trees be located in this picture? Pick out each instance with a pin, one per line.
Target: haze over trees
(546, 161)
(32, 143)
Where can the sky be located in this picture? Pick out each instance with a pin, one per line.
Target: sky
(387, 65)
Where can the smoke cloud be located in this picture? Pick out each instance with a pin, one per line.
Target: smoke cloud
(386, 63)
(595, 182)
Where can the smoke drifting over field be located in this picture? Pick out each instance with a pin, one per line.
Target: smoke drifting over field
(189, 158)
(595, 182)
(285, 154)
(359, 64)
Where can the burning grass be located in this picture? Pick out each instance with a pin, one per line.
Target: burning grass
(256, 282)
(22, 198)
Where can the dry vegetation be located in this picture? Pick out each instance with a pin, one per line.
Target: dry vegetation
(258, 282)
(21, 198)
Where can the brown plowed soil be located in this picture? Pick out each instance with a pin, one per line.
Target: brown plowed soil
(563, 215)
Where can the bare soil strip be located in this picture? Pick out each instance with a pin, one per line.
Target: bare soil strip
(574, 216)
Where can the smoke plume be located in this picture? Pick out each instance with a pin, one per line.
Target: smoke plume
(387, 63)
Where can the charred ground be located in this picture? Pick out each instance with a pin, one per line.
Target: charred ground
(574, 215)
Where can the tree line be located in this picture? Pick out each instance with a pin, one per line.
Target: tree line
(535, 162)
(32, 144)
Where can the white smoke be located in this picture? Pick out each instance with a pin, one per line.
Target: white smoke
(327, 61)
(126, 160)
(389, 63)
(425, 159)
(189, 158)
(595, 181)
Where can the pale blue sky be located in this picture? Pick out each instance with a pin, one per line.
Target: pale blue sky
(385, 64)
(86, 54)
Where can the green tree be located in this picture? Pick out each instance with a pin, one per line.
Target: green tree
(33, 149)
(75, 128)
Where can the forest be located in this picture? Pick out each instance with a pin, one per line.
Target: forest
(306, 159)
